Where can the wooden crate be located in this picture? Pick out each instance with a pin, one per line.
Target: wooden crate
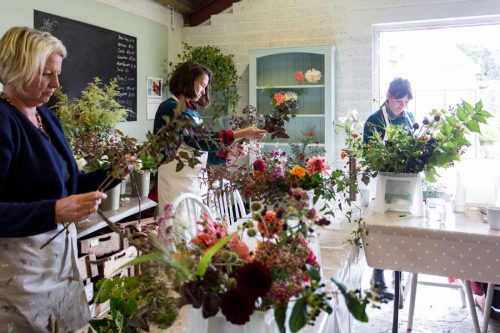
(98, 310)
(87, 266)
(88, 286)
(145, 223)
(111, 266)
(101, 244)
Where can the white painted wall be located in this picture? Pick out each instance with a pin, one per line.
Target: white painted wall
(155, 12)
(346, 24)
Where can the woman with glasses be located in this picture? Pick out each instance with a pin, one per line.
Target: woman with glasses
(392, 112)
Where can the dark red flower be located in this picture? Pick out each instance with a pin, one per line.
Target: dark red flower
(323, 221)
(227, 136)
(254, 279)
(259, 165)
(311, 213)
(236, 307)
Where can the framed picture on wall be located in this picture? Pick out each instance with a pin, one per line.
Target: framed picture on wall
(155, 86)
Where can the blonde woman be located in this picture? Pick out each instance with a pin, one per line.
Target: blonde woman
(39, 191)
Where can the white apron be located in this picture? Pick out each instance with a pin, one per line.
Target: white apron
(38, 286)
(171, 183)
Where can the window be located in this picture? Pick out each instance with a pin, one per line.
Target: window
(446, 61)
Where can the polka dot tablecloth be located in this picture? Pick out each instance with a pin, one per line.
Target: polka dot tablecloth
(463, 246)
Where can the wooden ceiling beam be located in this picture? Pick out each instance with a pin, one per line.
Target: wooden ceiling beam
(178, 5)
(215, 7)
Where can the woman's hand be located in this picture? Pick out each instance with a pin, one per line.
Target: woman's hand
(250, 133)
(78, 207)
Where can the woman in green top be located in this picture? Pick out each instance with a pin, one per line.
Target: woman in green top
(392, 112)
(191, 83)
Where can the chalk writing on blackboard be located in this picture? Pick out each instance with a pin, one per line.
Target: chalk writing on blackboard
(94, 51)
(49, 24)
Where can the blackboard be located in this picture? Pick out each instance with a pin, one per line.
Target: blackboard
(94, 51)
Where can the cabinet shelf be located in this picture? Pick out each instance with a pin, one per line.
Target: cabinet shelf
(274, 69)
(299, 86)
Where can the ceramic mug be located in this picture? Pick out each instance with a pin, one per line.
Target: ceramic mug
(493, 216)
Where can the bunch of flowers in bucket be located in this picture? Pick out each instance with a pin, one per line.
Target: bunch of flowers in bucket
(437, 142)
(264, 264)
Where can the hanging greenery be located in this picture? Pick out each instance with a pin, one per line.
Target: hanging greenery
(225, 96)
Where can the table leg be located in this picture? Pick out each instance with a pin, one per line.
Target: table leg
(413, 294)
(395, 313)
(487, 306)
(472, 307)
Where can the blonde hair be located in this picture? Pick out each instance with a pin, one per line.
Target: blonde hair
(23, 54)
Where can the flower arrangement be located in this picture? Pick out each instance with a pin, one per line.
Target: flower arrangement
(89, 125)
(105, 150)
(146, 161)
(272, 176)
(437, 142)
(217, 273)
(285, 108)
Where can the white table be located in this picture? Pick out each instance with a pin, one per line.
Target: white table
(463, 247)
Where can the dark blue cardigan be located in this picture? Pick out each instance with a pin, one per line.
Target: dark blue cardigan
(32, 174)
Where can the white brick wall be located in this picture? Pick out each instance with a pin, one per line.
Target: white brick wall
(346, 24)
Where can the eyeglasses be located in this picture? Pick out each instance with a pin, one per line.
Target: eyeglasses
(402, 101)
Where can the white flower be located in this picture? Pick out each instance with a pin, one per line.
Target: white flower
(290, 96)
(313, 75)
(81, 163)
(137, 165)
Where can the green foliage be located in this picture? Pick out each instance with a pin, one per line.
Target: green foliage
(305, 148)
(134, 301)
(355, 303)
(96, 110)
(225, 76)
(146, 161)
(280, 316)
(88, 124)
(298, 318)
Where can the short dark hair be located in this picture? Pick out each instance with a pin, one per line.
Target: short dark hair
(399, 88)
(183, 79)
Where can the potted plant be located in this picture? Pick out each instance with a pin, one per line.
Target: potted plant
(135, 302)
(89, 125)
(140, 177)
(225, 77)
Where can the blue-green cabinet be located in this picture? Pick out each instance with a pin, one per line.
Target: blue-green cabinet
(273, 70)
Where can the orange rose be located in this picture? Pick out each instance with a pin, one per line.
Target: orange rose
(279, 98)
